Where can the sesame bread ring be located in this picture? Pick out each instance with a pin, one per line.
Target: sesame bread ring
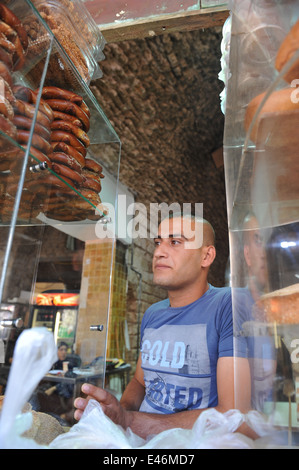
(53, 92)
(11, 19)
(70, 139)
(26, 94)
(92, 165)
(70, 108)
(69, 127)
(67, 160)
(37, 141)
(5, 73)
(69, 150)
(91, 183)
(67, 172)
(23, 122)
(28, 109)
(58, 115)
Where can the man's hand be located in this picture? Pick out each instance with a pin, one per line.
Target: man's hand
(110, 405)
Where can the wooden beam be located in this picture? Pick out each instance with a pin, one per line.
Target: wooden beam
(154, 26)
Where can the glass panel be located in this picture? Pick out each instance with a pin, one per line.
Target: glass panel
(118, 11)
(59, 251)
(261, 166)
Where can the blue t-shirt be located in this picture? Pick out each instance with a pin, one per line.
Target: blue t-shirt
(180, 348)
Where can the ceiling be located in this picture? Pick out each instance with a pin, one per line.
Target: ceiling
(161, 94)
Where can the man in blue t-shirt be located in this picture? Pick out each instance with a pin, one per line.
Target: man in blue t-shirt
(186, 364)
(180, 351)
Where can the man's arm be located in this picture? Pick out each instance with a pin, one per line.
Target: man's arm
(134, 393)
(145, 424)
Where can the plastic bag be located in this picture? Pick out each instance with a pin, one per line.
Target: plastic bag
(96, 431)
(212, 430)
(34, 354)
(225, 74)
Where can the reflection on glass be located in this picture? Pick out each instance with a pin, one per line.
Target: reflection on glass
(104, 12)
(266, 310)
(252, 339)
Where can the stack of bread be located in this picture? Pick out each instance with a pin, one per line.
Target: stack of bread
(59, 19)
(280, 113)
(7, 126)
(281, 101)
(286, 53)
(92, 174)
(69, 129)
(24, 109)
(13, 48)
(69, 142)
(280, 306)
(272, 121)
(59, 141)
(91, 187)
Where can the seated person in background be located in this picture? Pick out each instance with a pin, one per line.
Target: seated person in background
(72, 360)
(62, 354)
(64, 390)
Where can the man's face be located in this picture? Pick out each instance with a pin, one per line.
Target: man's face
(175, 263)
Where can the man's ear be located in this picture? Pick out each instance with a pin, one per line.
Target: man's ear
(209, 254)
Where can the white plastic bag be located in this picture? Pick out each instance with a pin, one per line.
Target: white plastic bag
(34, 354)
(96, 431)
(212, 430)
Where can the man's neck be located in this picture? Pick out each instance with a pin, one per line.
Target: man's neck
(183, 297)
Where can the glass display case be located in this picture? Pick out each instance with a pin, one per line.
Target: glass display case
(261, 168)
(59, 165)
